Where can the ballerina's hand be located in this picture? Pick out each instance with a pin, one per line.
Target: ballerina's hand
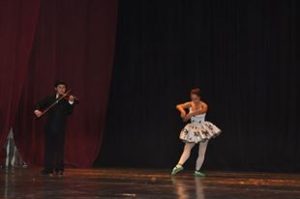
(182, 115)
(187, 117)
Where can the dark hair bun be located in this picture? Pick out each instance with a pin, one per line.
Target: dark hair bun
(196, 91)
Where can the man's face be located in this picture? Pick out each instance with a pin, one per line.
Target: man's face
(60, 89)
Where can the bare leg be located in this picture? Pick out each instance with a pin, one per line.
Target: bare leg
(186, 153)
(201, 154)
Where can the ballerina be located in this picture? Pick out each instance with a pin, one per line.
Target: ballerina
(198, 131)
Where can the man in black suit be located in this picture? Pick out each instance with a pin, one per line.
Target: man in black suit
(55, 128)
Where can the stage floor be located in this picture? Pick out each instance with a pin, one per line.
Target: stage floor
(138, 183)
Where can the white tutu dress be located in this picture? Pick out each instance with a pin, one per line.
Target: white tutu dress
(199, 130)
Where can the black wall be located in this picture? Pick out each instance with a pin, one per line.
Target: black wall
(244, 57)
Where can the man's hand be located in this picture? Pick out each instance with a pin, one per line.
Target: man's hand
(71, 99)
(38, 113)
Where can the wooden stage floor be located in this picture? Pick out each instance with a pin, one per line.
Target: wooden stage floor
(139, 183)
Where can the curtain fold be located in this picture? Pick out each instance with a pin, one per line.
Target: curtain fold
(74, 42)
(18, 20)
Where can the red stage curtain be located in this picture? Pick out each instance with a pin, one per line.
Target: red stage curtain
(18, 19)
(74, 42)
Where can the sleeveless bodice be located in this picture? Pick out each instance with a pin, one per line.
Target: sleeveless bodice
(197, 118)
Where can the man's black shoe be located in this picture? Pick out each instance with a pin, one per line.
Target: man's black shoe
(46, 172)
(59, 172)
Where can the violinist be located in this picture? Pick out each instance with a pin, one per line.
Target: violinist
(57, 108)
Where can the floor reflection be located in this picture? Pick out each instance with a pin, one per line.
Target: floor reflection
(7, 184)
(185, 189)
(139, 183)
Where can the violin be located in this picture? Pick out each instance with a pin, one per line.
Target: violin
(67, 96)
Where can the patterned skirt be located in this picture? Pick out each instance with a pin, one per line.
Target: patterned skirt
(199, 132)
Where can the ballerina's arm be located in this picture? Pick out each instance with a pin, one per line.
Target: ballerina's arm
(182, 107)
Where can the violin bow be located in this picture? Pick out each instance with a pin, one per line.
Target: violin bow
(55, 103)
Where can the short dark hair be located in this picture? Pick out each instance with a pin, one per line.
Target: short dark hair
(196, 91)
(57, 83)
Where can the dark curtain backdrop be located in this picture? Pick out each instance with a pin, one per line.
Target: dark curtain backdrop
(244, 55)
(74, 42)
(18, 19)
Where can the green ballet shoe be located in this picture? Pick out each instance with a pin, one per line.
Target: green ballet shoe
(199, 174)
(177, 169)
